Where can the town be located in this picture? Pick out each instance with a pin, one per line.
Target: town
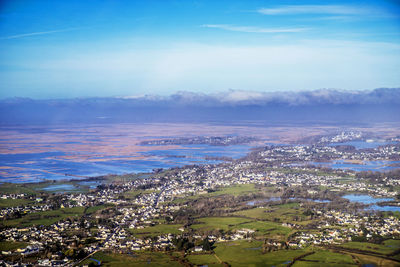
(277, 198)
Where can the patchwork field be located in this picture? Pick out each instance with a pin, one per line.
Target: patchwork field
(5, 203)
(151, 259)
(219, 223)
(45, 217)
(291, 212)
(326, 258)
(367, 260)
(234, 190)
(157, 230)
(244, 253)
(204, 259)
(7, 245)
(388, 247)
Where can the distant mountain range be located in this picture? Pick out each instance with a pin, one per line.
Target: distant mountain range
(308, 107)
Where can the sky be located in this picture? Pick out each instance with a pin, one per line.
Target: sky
(68, 49)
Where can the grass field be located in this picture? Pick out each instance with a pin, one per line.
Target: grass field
(45, 217)
(290, 213)
(206, 259)
(157, 230)
(235, 190)
(383, 249)
(269, 229)
(393, 213)
(93, 209)
(244, 253)
(8, 188)
(392, 243)
(7, 246)
(137, 259)
(366, 260)
(4, 203)
(256, 213)
(326, 258)
(132, 194)
(265, 228)
(223, 223)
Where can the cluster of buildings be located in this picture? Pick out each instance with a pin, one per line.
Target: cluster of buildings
(314, 154)
(10, 212)
(342, 137)
(353, 226)
(13, 196)
(271, 166)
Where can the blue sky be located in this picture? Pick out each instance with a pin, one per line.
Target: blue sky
(57, 49)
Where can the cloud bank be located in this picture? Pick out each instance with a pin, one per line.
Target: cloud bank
(235, 106)
(379, 96)
(316, 97)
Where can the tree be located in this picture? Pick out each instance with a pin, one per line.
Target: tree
(182, 243)
(207, 245)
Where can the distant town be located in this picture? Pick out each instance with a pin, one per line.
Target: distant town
(204, 140)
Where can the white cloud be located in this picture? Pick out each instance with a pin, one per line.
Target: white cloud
(252, 29)
(239, 95)
(17, 36)
(318, 9)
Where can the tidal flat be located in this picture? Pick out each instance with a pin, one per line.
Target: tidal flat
(37, 153)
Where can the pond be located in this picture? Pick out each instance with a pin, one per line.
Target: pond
(376, 165)
(369, 200)
(60, 187)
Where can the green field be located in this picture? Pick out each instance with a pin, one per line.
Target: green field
(8, 188)
(235, 190)
(290, 213)
(374, 261)
(326, 258)
(93, 209)
(45, 217)
(268, 228)
(392, 243)
(136, 259)
(158, 229)
(256, 213)
(7, 245)
(132, 194)
(217, 223)
(383, 249)
(245, 253)
(393, 213)
(205, 259)
(4, 203)
(264, 228)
